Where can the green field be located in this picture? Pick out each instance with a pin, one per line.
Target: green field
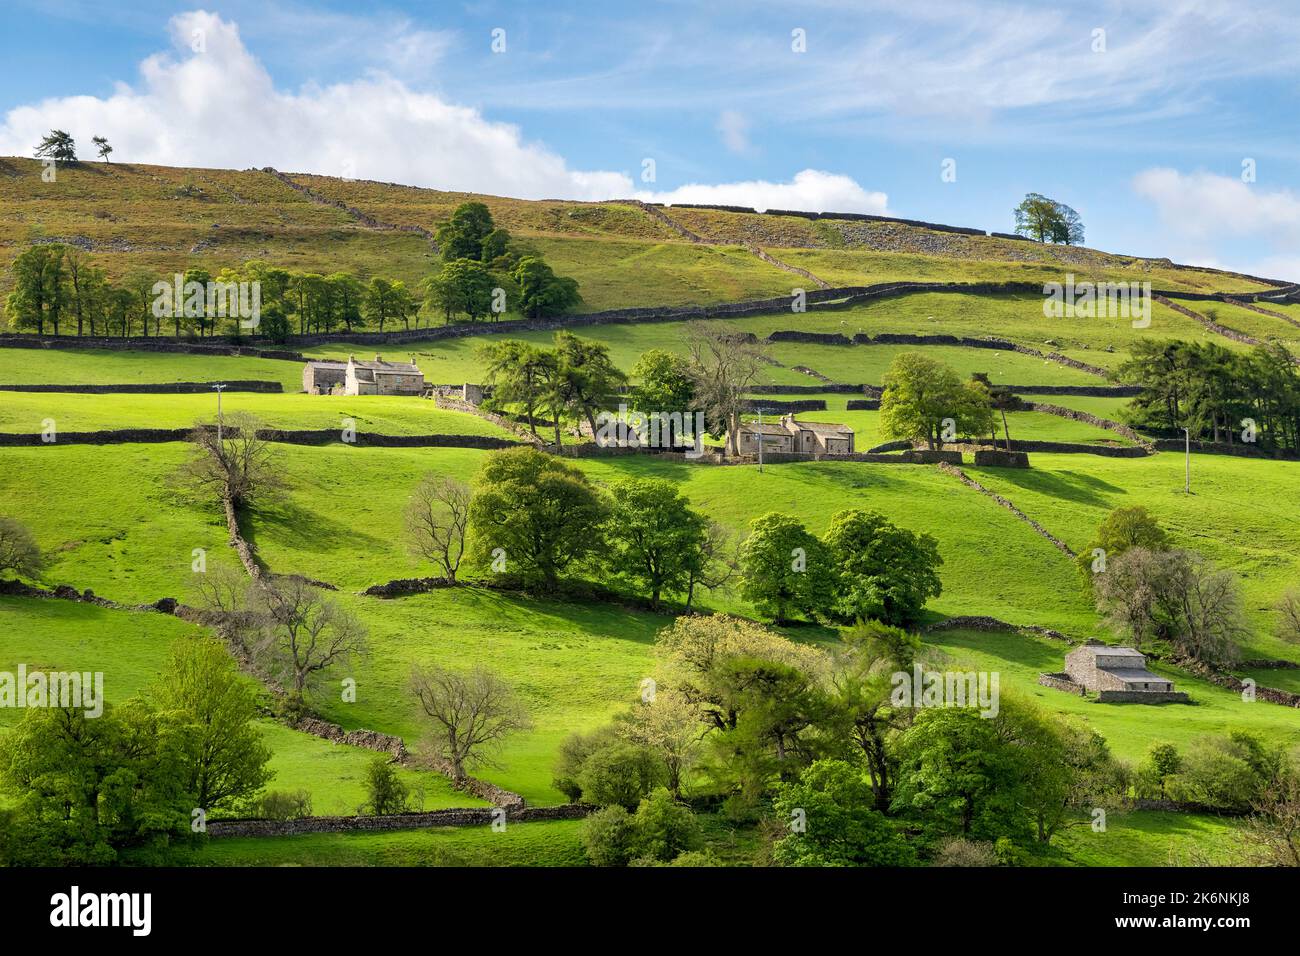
(25, 411)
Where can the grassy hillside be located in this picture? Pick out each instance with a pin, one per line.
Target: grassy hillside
(164, 220)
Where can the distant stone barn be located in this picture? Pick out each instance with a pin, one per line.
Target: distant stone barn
(363, 378)
(791, 435)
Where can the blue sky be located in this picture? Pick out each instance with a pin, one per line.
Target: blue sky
(1140, 115)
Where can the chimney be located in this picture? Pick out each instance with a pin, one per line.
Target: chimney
(377, 358)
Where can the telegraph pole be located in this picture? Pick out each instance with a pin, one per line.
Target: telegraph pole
(760, 441)
(1187, 485)
(219, 389)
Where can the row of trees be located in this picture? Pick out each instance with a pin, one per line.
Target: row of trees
(533, 518)
(862, 567)
(56, 285)
(1216, 392)
(574, 381)
(577, 379)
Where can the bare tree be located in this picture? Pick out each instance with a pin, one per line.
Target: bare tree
(1273, 830)
(238, 466)
(304, 633)
(1288, 609)
(1126, 593)
(471, 712)
(1204, 605)
(436, 519)
(225, 596)
(18, 549)
(1178, 595)
(714, 564)
(724, 364)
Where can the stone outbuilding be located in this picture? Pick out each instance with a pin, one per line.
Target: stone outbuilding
(1114, 674)
(324, 378)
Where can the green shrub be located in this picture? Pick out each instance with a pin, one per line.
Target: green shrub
(609, 837)
(621, 773)
(385, 792)
(284, 805)
(665, 828)
(574, 751)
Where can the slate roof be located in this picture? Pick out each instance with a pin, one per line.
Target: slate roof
(1136, 674)
(1107, 651)
(823, 428)
(754, 428)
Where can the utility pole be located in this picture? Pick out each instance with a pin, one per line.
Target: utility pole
(1187, 486)
(760, 441)
(219, 389)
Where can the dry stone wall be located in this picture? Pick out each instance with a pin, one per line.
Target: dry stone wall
(161, 388)
(1090, 419)
(1063, 682)
(456, 817)
(970, 482)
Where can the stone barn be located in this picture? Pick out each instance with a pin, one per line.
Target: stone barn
(1117, 674)
(324, 378)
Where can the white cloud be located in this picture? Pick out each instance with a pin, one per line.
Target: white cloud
(734, 128)
(220, 108)
(812, 190)
(1205, 205)
(1220, 221)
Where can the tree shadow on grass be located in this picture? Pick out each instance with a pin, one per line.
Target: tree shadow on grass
(1070, 486)
(300, 529)
(1011, 646)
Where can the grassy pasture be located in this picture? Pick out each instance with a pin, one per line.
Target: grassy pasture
(1027, 426)
(130, 647)
(1130, 729)
(550, 843)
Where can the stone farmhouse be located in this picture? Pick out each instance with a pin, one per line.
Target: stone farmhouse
(792, 436)
(1114, 674)
(363, 378)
